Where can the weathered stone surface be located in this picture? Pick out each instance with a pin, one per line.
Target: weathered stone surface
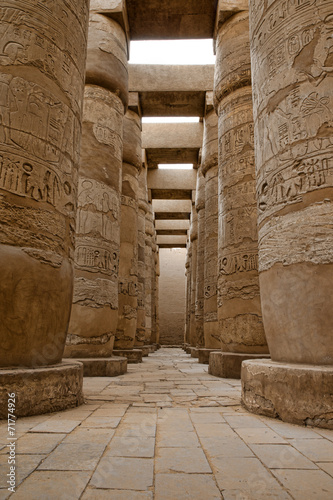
(203, 355)
(194, 352)
(209, 167)
(194, 276)
(293, 121)
(94, 315)
(132, 355)
(229, 364)
(142, 211)
(188, 271)
(42, 82)
(149, 229)
(42, 390)
(172, 295)
(296, 393)
(199, 284)
(128, 264)
(239, 310)
(104, 367)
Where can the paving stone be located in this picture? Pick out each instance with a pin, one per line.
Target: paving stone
(214, 430)
(86, 435)
(281, 456)
(91, 494)
(326, 433)
(53, 485)
(25, 464)
(100, 422)
(38, 443)
(186, 487)
(306, 484)
(124, 473)
(60, 426)
(207, 418)
(291, 431)
(83, 456)
(190, 460)
(225, 447)
(260, 435)
(140, 447)
(177, 440)
(136, 430)
(327, 467)
(247, 474)
(244, 421)
(318, 450)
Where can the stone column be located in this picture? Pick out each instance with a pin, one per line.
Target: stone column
(157, 295)
(292, 59)
(194, 246)
(94, 315)
(128, 267)
(209, 168)
(188, 295)
(239, 310)
(148, 277)
(42, 82)
(153, 291)
(142, 211)
(200, 273)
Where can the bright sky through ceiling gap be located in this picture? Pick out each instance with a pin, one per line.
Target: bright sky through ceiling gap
(176, 166)
(172, 52)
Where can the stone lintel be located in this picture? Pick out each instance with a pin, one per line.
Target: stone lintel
(209, 102)
(172, 155)
(171, 206)
(229, 364)
(172, 245)
(134, 103)
(173, 179)
(204, 355)
(132, 355)
(170, 78)
(42, 390)
(172, 239)
(161, 224)
(104, 367)
(299, 394)
(169, 232)
(172, 135)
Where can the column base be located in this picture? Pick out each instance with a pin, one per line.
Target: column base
(194, 352)
(188, 350)
(42, 390)
(229, 364)
(145, 350)
(132, 355)
(299, 394)
(204, 354)
(104, 367)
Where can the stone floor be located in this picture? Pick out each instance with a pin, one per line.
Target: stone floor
(166, 430)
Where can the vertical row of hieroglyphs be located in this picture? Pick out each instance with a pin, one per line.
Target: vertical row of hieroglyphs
(42, 59)
(95, 302)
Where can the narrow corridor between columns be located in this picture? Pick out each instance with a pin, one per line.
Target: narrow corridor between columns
(166, 430)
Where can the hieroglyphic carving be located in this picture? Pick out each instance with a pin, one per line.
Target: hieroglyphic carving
(237, 263)
(96, 259)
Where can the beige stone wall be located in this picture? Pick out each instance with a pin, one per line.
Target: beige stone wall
(172, 295)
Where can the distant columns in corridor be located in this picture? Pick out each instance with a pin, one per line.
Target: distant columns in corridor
(199, 285)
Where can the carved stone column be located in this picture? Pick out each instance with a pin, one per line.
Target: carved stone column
(157, 296)
(199, 263)
(148, 264)
(188, 294)
(42, 81)
(292, 59)
(194, 247)
(153, 291)
(210, 172)
(239, 311)
(128, 268)
(94, 315)
(142, 211)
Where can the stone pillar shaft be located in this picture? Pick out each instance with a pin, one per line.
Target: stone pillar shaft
(239, 312)
(194, 269)
(149, 271)
(142, 211)
(199, 282)
(209, 167)
(42, 82)
(95, 301)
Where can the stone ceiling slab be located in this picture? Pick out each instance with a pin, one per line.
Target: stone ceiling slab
(171, 19)
(172, 155)
(172, 135)
(170, 78)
